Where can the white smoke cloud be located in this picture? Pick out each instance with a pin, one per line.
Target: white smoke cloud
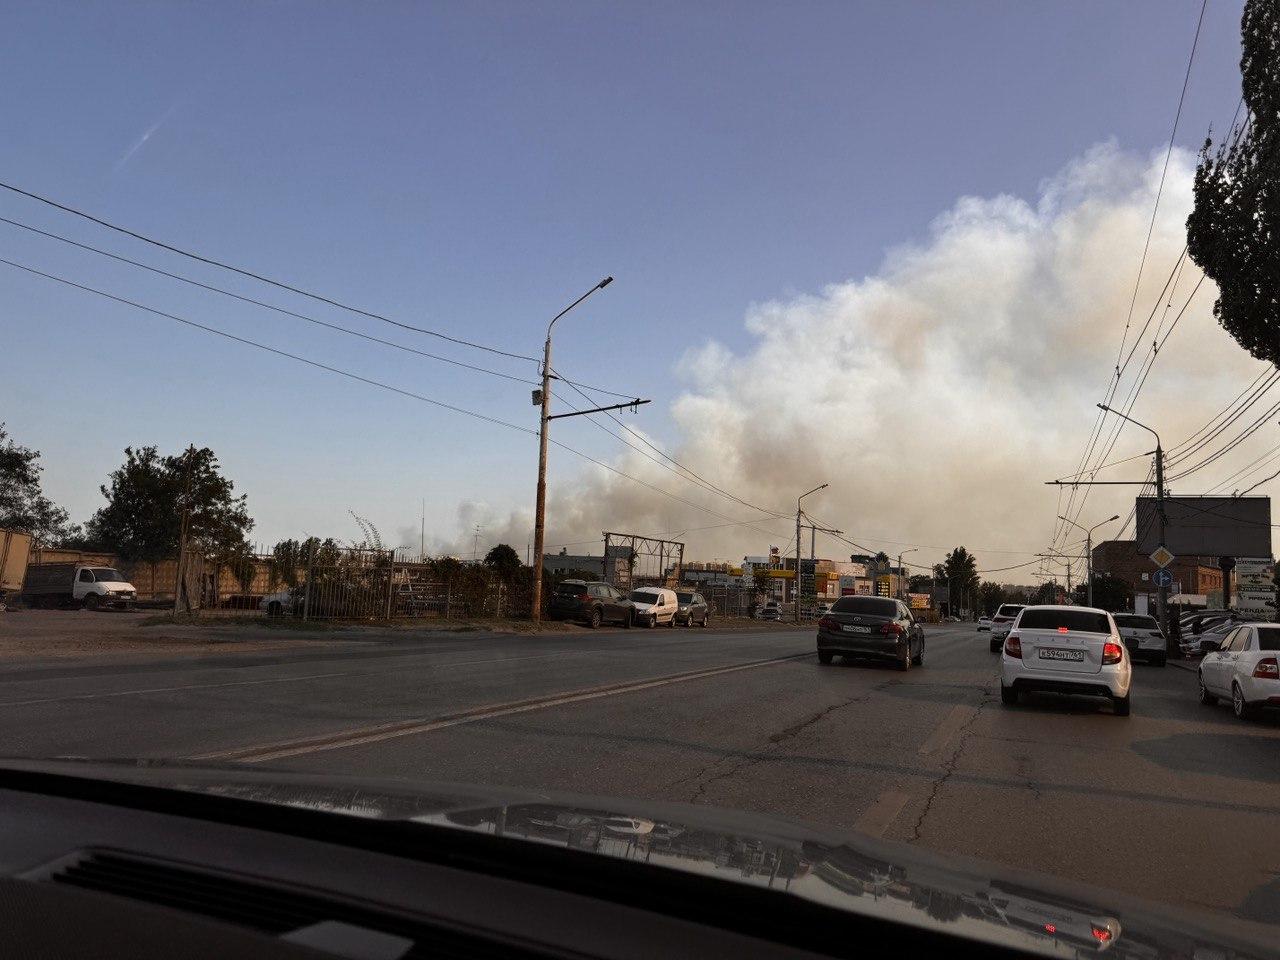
(937, 395)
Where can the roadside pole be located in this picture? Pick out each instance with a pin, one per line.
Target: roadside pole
(1162, 595)
(179, 579)
(798, 515)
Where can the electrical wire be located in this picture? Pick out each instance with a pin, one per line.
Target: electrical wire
(256, 276)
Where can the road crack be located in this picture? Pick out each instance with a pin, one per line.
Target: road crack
(949, 765)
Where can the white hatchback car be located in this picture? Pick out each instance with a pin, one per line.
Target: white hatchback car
(1143, 636)
(1066, 650)
(1246, 669)
(1002, 621)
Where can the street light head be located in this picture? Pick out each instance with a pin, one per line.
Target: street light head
(824, 486)
(1116, 517)
(1103, 406)
(604, 283)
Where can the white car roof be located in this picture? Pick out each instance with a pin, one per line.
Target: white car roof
(1063, 606)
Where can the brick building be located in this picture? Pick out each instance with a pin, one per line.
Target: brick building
(1120, 559)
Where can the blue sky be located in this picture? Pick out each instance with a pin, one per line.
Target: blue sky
(473, 167)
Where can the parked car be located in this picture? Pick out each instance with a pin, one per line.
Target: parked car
(984, 623)
(1143, 636)
(282, 602)
(92, 586)
(1244, 668)
(1202, 620)
(591, 603)
(1075, 650)
(1216, 632)
(823, 608)
(692, 608)
(1001, 622)
(771, 610)
(655, 605)
(871, 627)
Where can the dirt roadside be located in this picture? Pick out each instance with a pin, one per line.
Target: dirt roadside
(57, 634)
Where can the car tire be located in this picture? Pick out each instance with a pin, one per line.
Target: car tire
(995, 646)
(1120, 705)
(653, 621)
(671, 624)
(1207, 698)
(1008, 695)
(705, 618)
(1239, 706)
(596, 618)
(626, 620)
(91, 601)
(904, 659)
(918, 660)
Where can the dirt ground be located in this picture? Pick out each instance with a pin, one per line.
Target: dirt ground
(38, 634)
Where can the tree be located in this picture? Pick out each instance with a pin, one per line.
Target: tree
(22, 504)
(1109, 593)
(961, 571)
(503, 560)
(1232, 229)
(145, 499)
(919, 583)
(1047, 592)
(990, 596)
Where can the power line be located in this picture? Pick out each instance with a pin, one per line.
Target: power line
(256, 276)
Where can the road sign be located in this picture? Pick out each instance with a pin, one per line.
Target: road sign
(1163, 578)
(1162, 557)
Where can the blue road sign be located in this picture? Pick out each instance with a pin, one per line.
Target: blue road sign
(1163, 578)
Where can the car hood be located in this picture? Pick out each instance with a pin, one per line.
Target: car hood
(849, 871)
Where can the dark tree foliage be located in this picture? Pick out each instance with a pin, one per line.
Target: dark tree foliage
(1109, 593)
(961, 570)
(503, 560)
(145, 499)
(22, 504)
(1233, 232)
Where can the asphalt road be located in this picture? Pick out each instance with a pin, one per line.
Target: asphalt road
(1177, 803)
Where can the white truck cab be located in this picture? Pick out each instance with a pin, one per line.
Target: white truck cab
(102, 587)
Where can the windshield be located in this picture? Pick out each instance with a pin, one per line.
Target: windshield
(671, 403)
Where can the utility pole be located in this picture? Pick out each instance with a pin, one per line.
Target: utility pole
(422, 534)
(1088, 546)
(542, 398)
(798, 515)
(179, 580)
(901, 569)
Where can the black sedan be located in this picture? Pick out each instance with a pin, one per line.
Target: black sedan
(878, 627)
(590, 603)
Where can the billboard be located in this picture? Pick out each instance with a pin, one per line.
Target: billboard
(1255, 592)
(1207, 526)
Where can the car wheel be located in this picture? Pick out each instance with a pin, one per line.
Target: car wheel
(1120, 705)
(1207, 698)
(995, 646)
(904, 658)
(274, 609)
(653, 620)
(824, 656)
(705, 618)
(1008, 695)
(91, 602)
(1239, 707)
(919, 657)
(671, 624)
(626, 620)
(595, 618)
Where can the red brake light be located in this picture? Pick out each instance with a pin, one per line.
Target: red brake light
(895, 628)
(1063, 630)
(1050, 928)
(1111, 652)
(1013, 646)
(1267, 668)
(584, 596)
(1101, 934)
(828, 623)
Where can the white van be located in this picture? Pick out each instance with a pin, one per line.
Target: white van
(655, 605)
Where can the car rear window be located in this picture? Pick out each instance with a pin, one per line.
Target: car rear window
(1136, 621)
(870, 606)
(1268, 638)
(1009, 610)
(571, 589)
(1083, 621)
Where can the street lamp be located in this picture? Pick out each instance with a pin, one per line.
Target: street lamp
(540, 508)
(1088, 546)
(901, 554)
(1162, 597)
(798, 499)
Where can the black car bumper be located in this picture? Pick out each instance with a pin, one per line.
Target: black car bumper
(861, 644)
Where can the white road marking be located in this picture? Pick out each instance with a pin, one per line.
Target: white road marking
(953, 721)
(881, 813)
(405, 728)
(190, 686)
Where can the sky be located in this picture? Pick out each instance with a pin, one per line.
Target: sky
(886, 246)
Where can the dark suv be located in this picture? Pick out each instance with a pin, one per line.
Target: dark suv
(693, 608)
(590, 603)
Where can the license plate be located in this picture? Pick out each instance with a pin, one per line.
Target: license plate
(1056, 654)
(851, 628)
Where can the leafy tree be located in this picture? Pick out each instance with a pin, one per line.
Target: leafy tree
(503, 560)
(960, 569)
(919, 583)
(1047, 592)
(1233, 228)
(146, 497)
(763, 582)
(1109, 593)
(22, 504)
(990, 596)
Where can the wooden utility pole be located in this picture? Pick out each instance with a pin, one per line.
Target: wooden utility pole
(180, 580)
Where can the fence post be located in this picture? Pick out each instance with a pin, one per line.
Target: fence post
(391, 580)
(306, 590)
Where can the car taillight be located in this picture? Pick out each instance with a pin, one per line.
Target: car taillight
(828, 623)
(584, 596)
(1111, 652)
(894, 628)
(1267, 669)
(1101, 934)
(1013, 646)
